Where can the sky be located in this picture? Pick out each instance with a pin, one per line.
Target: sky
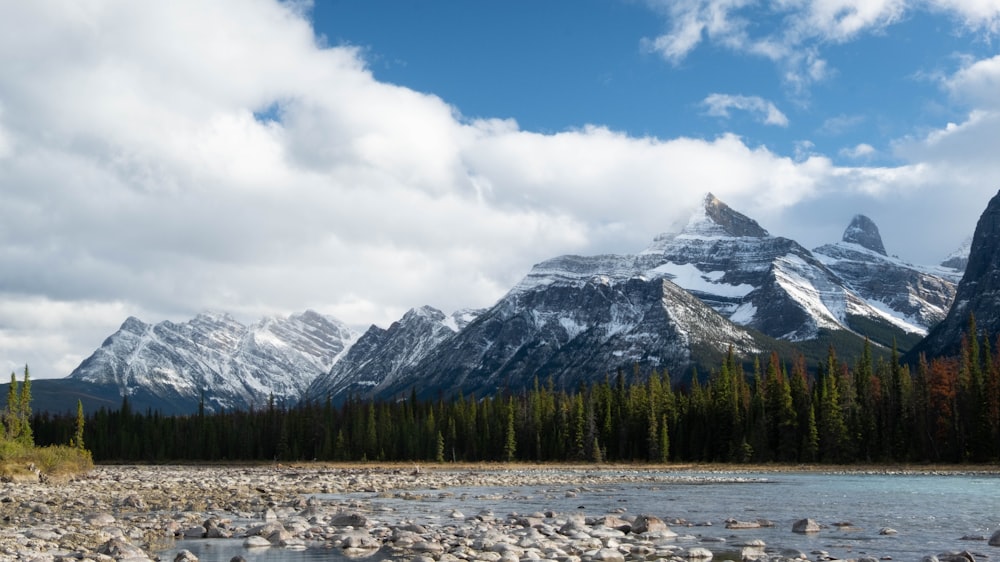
(363, 157)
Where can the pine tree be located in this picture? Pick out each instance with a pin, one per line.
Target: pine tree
(24, 410)
(77, 440)
(11, 421)
(510, 438)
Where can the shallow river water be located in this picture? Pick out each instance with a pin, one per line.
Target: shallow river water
(931, 513)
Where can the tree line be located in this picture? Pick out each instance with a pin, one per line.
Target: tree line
(770, 410)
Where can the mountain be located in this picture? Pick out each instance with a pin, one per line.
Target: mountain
(380, 356)
(173, 366)
(720, 282)
(572, 319)
(770, 283)
(916, 297)
(953, 266)
(978, 292)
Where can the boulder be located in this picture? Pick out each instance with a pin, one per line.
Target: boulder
(348, 520)
(119, 548)
(185, 556)
(256, 541)
(963, 556)
(805, 526)
(995, 539)
(698, 553)
(648, 524)
(609, 555)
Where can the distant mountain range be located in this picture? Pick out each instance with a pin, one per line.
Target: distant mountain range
(721, 282)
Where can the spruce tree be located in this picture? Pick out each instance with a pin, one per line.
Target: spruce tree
(12, 422)
(77, 440)
(24, 410)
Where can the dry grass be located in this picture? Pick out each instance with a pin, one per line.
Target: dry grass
(25, 463)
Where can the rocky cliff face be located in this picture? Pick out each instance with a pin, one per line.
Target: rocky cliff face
(978, 293)
(722, 281)
(577, 329)
(381, 357)
(765, 282)
(916, 297)
(215, 357)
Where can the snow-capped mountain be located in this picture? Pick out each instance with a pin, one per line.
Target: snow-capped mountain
(215, 358)
(917, 297)
(769, 283)
(978, 292)
(720, 282)
(381, 356)
(573, 326)
(953, 266)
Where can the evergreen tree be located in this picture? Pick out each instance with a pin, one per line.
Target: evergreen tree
(24, 408)
(510, 437)
(12, 421)
(77, 440)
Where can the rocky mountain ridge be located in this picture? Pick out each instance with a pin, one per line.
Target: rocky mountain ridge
(977, 295)
(721, 281)
(216, 360)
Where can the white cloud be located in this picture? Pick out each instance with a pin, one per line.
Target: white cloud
(143, 184)
(806, 28)
(841, 124)
(976, 14)
(860, 151)
(977, 83)
(691, 21)
(719, 105)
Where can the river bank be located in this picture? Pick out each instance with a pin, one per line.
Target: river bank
(135, 512)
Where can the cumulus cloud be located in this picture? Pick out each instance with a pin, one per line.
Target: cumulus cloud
(860, 151)
(252, 169)
(807, 28)
(718, 105)
(977, 83)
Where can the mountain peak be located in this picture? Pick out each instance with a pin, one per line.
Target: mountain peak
(863, 232)
(715, 217)
(978, 292)
(959, 259)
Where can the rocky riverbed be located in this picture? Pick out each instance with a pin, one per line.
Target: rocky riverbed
(134, 513)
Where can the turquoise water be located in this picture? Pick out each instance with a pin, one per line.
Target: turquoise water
(930, 512)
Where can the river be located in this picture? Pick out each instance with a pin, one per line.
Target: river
(932, 513)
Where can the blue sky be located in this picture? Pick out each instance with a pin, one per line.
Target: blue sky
(360, 158)
(560, 65)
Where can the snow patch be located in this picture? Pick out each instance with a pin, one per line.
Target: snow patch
(689, 277)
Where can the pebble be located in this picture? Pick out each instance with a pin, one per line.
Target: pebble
(134, 513)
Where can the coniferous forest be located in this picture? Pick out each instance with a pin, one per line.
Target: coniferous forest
(946, 410)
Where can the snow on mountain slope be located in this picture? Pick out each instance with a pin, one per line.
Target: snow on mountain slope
(913, 298)
(573, 329)
(381, 356)
(214, 356)
(766, 282)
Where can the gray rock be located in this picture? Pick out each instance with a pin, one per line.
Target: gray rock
(185, 556)
(349, 520)
(698, 553)
(120, 548)
(609, 555)
(196, 532)
(100, 519)
(805, 526)
(256, 541)
(963, 556)
(650, 524)
(428, 547)
(995, 539)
